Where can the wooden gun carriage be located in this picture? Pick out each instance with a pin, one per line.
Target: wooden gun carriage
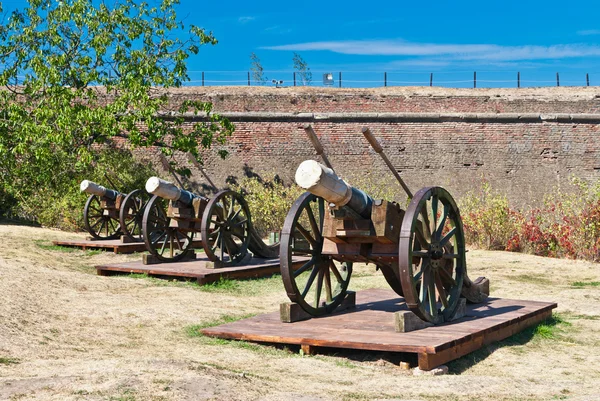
(420, 250)
(109, 214)
(223, 222)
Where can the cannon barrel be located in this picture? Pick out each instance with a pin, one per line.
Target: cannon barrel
(322, 181)
(98, 190)
(168, 190)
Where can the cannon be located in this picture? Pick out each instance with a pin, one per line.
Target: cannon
(420, 251)
(223, 223)
(108, 213)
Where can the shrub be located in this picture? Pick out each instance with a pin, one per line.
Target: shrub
(269, 201)
(488, 221)
(61, 205)
(567, 225)
(379, 187)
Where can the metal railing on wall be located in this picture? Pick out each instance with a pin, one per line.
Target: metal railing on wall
(372, 79)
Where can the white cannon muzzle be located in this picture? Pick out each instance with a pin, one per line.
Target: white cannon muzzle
(98, 190)
(323, 182)
(168, 190)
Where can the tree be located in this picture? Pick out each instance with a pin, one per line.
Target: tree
(79, 75)
(257, 69)
(302, 68)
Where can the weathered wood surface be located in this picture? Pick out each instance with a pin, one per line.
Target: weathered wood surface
(371, 326)
(197, 269)
(116, 245)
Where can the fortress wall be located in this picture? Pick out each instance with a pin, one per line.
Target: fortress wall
(526, 143)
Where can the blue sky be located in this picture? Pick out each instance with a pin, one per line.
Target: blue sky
(408, 40)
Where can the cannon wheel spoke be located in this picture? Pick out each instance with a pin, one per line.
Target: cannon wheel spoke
(432, 267)
(320, 283)
(228, 214)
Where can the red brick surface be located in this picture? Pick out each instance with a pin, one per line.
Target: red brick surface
(525, 160)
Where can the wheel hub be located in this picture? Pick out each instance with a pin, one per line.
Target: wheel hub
(436, 251)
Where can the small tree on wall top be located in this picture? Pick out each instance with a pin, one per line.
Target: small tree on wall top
(78, 73)
(257, 69)
(302, 68)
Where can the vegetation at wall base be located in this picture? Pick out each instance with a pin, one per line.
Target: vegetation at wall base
(269, 200)
(61, 204)
(566, 226)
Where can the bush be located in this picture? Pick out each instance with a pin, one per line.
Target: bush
(567, 225)
(269, 201)
(61, 205)
(379, 187)
(488, 221)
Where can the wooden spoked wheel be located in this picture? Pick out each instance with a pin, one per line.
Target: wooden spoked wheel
(166, 242)
(132, 213)
(320, 284)
(99, 222)
(432, 255)
(225, 228)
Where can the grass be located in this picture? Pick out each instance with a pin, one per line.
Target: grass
(549, 329)
(194, 330)
(586, 284)
(222, 285)
(207, 366)
(160, 282)
(43, 244)
(345, 364)
(531, 279)
(239, 288)
(128, 395)
(584, 317)
(8, 361)
(93, 252)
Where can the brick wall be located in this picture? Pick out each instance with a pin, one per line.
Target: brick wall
(524, 157)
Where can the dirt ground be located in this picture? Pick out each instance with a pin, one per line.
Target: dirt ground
(68, 334)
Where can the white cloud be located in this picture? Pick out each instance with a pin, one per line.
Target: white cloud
(244, 20)
(589, 32)
(489, 52)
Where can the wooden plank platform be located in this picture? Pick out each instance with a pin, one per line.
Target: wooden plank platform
(370, 326)
(198, 269)
(114, 245)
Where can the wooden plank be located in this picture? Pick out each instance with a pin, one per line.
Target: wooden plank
(370, 326)
(428, 361)
(198, 270)
(115, 245)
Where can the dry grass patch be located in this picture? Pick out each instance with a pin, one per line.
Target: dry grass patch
(68, 334)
